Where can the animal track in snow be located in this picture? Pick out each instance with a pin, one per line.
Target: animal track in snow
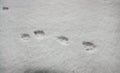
(25, 36)
(63, 40)
(39, 34)
(89, 46)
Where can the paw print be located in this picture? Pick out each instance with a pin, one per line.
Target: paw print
(39, 34)
(64, 40)
(25, 36)
(89, 46)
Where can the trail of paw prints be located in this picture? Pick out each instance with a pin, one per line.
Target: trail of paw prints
(88, 46)
(37, 34)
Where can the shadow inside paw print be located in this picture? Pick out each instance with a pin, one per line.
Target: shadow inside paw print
(63, 40)
(25, 36)
(39, 34)
(89, 46)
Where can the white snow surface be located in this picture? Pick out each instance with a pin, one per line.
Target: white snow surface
(96, 21)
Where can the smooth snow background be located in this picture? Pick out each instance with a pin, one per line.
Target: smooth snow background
(79, 20)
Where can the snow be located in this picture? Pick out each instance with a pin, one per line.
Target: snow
(77, 20)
